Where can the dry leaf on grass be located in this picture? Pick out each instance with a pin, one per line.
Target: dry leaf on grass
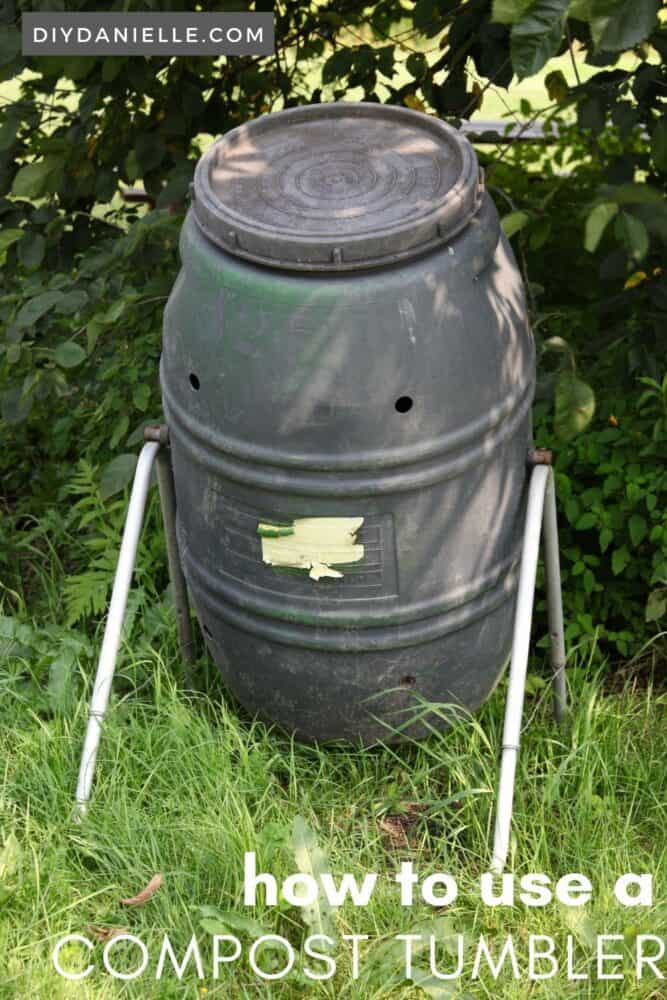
(105, 933)
(146, 893)
(399, 825)
(395, 827)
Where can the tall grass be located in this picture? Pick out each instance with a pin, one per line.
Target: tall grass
(186, 784)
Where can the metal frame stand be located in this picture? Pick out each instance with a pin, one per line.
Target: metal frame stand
(540, 514)
(154, 449)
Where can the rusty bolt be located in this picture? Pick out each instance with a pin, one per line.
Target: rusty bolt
(158, 433)
(540, 456)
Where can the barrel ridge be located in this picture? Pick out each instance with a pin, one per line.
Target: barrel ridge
(331, 476)
(358, 639)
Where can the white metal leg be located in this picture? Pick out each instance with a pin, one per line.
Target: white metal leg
(107, 662)
(541, 507)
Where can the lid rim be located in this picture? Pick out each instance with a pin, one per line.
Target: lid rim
(266, 244)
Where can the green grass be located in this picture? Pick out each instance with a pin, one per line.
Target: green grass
(186, 784)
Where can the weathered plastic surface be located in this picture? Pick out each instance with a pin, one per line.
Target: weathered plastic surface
(400, 394)
(336, 186)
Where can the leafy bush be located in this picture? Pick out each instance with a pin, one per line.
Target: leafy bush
(611, 484)
(81, 350)
(599, 321)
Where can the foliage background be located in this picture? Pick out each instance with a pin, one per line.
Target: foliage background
(85, 275)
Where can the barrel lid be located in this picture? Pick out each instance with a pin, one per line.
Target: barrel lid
(334, 187)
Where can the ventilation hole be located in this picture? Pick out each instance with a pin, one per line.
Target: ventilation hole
(194, 381)
(403, 404)
(207, 632)
(408, 681)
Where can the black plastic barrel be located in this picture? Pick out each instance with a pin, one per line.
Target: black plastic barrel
(348, 339)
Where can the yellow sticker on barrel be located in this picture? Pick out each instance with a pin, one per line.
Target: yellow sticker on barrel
(315, 544)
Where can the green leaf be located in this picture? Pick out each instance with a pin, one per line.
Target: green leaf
(536, 36)
(508, 11)
(582, 10)
(150, 151)
(215, 921)
(596, 223)
(69, 354)
(633, 234)
(581, 926)
(557, 344)
(556, 85)
(93, 331)
(656, 606)
(61, 675)
(8, 132)
(606, 536)
(574, 406)
(116, 474)
(619, 560)
(8, 237)
(586, 521)
(120, 430)
(416, 65)
(424, 17)
(111, 67)
(513, 222)
(433, 987)
(88, 101)
(539, 234)
(176, 188)
(78, 67)
(86, 593)
(311, 860)
(638, 528)
(33, 310)
(71, 302)
(385, 62)
(659, 145)
(15, 405)
(10, 43)
(631, 23)
(10, 865)
(591, 114)
(115, 311)
(534, 684)
(636, 194)
(132, 168)
(31, 250)
(442, 927)
(32, 181)
(141, 396)
(10, 858)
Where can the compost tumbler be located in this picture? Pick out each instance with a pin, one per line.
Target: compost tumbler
(348, 339)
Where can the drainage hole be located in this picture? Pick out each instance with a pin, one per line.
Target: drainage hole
(408, 681)
(403, 404)
(207, 632)
(194, 381)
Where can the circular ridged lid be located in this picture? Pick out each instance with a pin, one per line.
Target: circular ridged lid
(335, 187)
